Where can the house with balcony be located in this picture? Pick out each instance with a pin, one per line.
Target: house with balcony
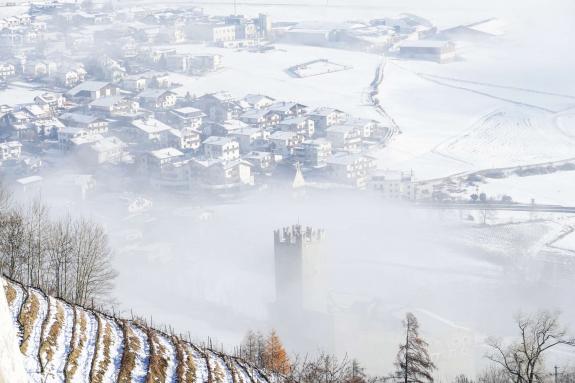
(225, 148)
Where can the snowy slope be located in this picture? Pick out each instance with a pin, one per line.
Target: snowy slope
(511, 135)
(66, 343)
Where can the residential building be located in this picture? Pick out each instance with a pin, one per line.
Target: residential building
(7, 70)
(433, 50)
(283, 143)
(262, 162)
(260, 118)
(105, 150)
(157, 160)
(157, 99)
(224, 148)
(346, 137)
(394, 185)
(258, 101)
(184, 139)
(92, 90)
(314, 153)
(92, 124)
(220, 174)
(10, 150)
(148, 130)
(303, 125)
(250, 138)
(324, 118)
(187, 117)
(351, 169)
(211, 32)
(224, 128)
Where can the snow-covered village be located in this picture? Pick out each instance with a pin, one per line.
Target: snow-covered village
(266, 191)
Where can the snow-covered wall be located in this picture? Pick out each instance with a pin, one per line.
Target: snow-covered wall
(11, 361)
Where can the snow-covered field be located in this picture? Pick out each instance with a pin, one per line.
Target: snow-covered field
(265, 73)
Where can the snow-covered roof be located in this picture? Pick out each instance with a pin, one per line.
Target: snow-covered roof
(29, 180)
(79, 118)
(493, 26)
(281, 135)
(106, 102)
(154, 93)
(220, 141)
(150, 125)
(347, 159)
(189, 111)
(89, 86)
(423, 44)
(166, 153)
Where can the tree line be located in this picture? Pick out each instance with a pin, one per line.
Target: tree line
(518, 361)
(67, 257)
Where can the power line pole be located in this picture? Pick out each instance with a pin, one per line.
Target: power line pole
(556, 376)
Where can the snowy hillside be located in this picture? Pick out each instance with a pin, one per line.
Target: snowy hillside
(67, 343)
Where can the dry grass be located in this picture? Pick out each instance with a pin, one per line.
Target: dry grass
(11, 294)
(186, 369)
(102, 367)
(27, 319)
(218, 375)
(158, 359)
(49, 344)
(131, 347)
(77, 346)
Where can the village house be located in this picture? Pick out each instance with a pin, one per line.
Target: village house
(346, 137)
(224, 128)
(220, 174)
(218, 107)
(202, 63)
(70, 76)
(92, 124)
(432, 50)
(186, 139)
(258, 101)
(157, 99)
(52, 101)
(262, 162)
(283, 143)
(187, 117)
(211, 32)
(324, 118)
(351, 169)
(7, 70)
(224, 148)
(367, 127)
(148, 130)
(394, 185)
(155, 161)
(245, 28)
(134, 83)
(38, 68)
(313, 153)
(115, 106)
(287, 109)
(105, 150)
(10, 150)
(91, 90)
(250, 138)
(68, 137)
(46, 128)
(303, 125)
(260, 118)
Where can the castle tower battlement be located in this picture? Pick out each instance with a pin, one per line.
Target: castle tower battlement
(297, 234)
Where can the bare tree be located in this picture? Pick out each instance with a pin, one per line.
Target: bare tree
(60, 247)
(12, 234)
(493, 374)
(93, 273)
(413, 361)
(522, 360)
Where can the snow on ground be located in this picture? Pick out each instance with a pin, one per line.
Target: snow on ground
(555, 188)
(317, 68)
(265, 73)
(202, 374)
(14, 95)
(170, 356)
(56, 363)
(116, 348)
(142, 355)
(219, 368)
(511, 135)
(88, 337)
(567, 242)
(16, 304)
(241, 372)
(32, 362)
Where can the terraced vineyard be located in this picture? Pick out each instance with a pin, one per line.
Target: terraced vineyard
(66, 343)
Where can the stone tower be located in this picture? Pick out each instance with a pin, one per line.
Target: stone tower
(300, 268)
(300, 310)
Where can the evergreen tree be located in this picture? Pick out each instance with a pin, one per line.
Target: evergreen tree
(275, 356)
(413, 362)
